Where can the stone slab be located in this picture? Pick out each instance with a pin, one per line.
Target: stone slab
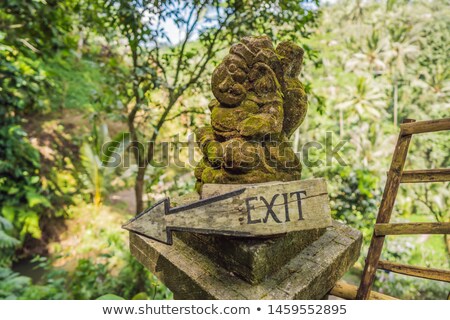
(308, 275)
(251, 259)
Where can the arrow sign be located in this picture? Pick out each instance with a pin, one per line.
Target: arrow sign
(257, 210)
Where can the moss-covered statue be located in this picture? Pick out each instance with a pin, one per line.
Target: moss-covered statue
(259, 104)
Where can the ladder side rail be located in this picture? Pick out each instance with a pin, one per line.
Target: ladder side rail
(384, 213)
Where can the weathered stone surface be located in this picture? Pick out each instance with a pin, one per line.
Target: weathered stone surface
(255, 259)
(259, 104)
(308, 275)
(251, 259)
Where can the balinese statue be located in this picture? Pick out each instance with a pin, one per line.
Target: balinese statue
(259, 104)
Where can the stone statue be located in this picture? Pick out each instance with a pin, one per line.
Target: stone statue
(259, 104)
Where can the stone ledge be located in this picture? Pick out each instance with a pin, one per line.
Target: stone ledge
(308, 275)
(251, 259)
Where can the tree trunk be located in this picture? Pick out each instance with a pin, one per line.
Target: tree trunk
(447, 242)
(341, 124)
(395, 103)
(139, 190)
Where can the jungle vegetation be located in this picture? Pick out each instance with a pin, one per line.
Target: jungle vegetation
(81, 80)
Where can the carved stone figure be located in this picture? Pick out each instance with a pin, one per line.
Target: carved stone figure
(259, 104)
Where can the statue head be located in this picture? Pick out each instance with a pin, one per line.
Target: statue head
(229, 80)
(250, 66)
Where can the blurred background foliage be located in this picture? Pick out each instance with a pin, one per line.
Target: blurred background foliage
(79, 75)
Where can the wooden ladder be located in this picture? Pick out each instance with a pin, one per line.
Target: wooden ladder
(395, 176)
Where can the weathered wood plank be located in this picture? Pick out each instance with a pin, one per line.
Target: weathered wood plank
(425, 126)
(348, 291)
(420, 176)
(248, 258)
(383, 229)
(420, 272)
(253, 211)
(385, 211)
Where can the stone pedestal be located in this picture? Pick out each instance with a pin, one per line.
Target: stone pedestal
(252, 260)
(298, 265)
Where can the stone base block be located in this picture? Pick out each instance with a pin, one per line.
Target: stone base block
(251, 259)
(310, 274)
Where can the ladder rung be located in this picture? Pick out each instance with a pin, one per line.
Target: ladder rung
(425, 126)
(348, 291)
(420, 272)
(431, 175)
(382, 229)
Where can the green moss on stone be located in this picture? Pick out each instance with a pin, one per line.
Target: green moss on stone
(258, 93)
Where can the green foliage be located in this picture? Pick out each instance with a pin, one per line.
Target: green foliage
(64, 63)
(53, 286)
(101, 264)
(89, 280)
(23, 84)
(12, 284)
(30, 33)
(110, 296)
(431, 253)
(354, 197)
(176, 67)
(21, 193)
(87, 81)
(100, 158)
(8, 244)
(28, 29)
(383, 62)
(44, 25)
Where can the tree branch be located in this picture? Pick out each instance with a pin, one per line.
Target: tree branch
(201, 65)
(157, 60)
(191, 111)
(189, 30)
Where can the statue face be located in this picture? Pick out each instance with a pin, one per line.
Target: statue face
(264, 82)
(229, 80)
(232, 79)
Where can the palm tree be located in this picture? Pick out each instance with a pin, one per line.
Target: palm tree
(403, 48)
(371, 54)
(363, 101)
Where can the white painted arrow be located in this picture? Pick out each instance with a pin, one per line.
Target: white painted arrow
(252, 211)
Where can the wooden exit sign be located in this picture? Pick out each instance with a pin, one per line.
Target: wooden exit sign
(250, 211)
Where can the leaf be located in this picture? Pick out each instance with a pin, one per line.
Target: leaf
(30, 220)
(35, 199)
(7, 242)
(90, 162)
(5, 224)
(104, 134)
(114, 148)
(8, 213)
(13, 190)
(110, 296)
(140, 296)
(34, 179)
